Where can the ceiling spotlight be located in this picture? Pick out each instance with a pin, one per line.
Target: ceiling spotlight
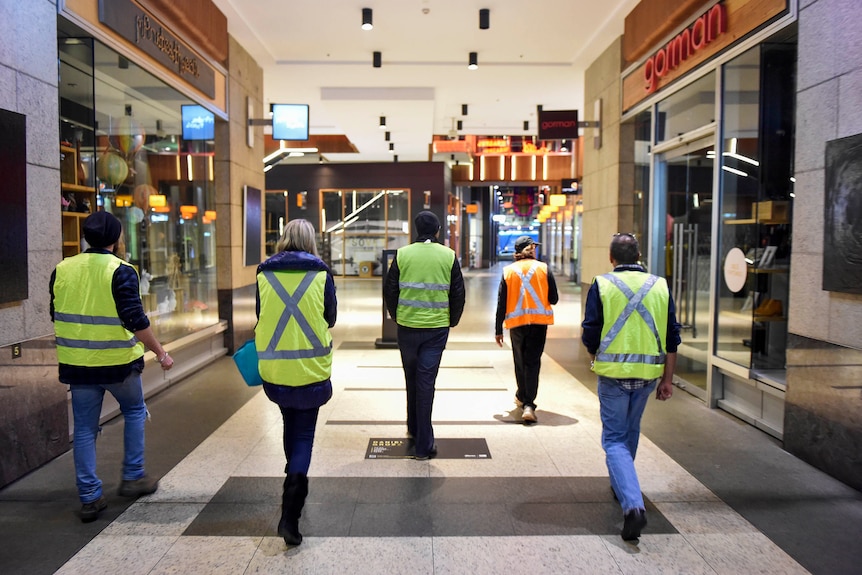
(395, 158)
(376, 60)
(474, 61)
(387, 135)
(526, 125)
(391, 148)
(484, 19)
(366, 19)
(460, 125)
(463, 109)
(382, 122)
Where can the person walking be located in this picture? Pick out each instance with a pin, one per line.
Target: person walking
(631, 333)
(101, 331)
(527, 292)
(296, 306)
(424, 294)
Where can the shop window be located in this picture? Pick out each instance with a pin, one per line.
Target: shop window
(638, 129)
(124, 130)
(686, 110)
(757, 192)
(359, 224)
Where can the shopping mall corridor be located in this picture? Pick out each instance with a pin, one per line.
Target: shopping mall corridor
(501, 497)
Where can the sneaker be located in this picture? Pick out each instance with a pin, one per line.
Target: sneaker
(137, 487)
(90, 511)
(635, 521)
(529, 414)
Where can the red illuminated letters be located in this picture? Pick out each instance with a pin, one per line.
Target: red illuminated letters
(684, 45)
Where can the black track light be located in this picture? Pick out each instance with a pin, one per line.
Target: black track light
(391, 148)
(387, 135)
(474, 61)
(526, 125)
(463, 109)
(376, 59)
(395, 158)
(366, 19)
(382, 122)
(484, 19)
(460, 125)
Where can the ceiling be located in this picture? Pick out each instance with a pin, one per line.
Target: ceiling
(314, 52)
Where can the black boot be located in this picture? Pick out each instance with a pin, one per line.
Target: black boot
(292, 502)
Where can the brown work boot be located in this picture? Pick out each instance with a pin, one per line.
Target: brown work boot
(137, 487)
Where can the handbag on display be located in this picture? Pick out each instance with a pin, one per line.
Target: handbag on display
(245, 359)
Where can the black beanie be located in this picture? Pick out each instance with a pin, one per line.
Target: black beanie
(426, 223)
(102, 229)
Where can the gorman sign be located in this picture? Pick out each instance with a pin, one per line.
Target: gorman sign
(714, 31)
(696, 37)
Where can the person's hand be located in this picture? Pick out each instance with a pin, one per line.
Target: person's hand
(664, 390)
(166, 361)
(499, 340)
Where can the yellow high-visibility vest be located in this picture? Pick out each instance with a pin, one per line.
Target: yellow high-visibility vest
(425, 275)
(294, 346)
(88, 330)
(634, 332)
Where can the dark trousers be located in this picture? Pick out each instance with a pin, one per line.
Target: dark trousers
(421, 352)
(299, 426)
(528, 344)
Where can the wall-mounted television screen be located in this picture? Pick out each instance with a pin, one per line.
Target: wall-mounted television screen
(290, 122)
(198, 123)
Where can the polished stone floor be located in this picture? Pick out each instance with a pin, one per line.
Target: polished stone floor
(722, 497)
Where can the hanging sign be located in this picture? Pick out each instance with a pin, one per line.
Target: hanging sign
(558, 125)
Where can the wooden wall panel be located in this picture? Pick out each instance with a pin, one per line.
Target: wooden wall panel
(651, 21)
(198, 21)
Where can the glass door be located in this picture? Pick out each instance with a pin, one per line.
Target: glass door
(682, 248)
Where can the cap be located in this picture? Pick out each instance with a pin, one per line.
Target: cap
(426, 223)
(524, 242)
(102, 229)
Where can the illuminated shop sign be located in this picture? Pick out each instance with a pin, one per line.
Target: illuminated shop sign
(558, 125)
(702, 32)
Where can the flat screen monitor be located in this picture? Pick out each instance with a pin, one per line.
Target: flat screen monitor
(198, 123)
(290, 122)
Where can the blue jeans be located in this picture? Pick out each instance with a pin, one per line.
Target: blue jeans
(621, 412)
(86, 409)
(299, 426)
(421, 352)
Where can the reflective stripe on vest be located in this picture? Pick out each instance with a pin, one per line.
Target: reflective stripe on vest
(291, 310)
(85, 314)
(635, 304)
(527, 288)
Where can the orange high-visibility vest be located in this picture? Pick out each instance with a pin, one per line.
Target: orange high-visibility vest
(527, 294)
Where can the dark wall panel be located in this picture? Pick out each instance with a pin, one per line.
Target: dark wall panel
(13, 199)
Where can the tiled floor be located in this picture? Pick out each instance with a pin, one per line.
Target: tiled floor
(540, 504)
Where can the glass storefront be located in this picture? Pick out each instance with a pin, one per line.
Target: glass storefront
(124, 151)
(730, 283)
(357, 225)
(757, 194)
(684, 177)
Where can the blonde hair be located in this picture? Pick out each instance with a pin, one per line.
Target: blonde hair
(298, 236)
